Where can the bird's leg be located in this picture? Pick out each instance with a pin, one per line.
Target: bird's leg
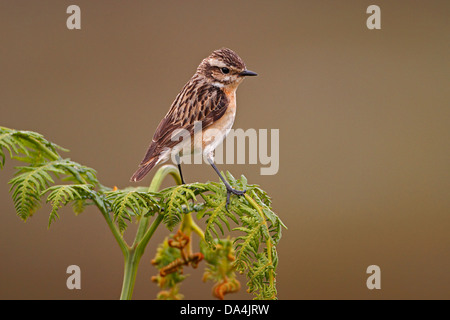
(177, 159)
(230, 190)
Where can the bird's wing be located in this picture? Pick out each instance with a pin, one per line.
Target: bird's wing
(195, 102)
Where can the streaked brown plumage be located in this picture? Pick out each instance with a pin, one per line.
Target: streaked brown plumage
(209, 97)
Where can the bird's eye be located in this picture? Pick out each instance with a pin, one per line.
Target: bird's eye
(225, 70)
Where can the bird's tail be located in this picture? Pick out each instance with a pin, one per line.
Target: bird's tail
(144, 169)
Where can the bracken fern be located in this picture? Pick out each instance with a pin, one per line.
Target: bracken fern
(249, 217)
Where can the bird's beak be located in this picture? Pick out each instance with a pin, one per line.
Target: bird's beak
(248, 73)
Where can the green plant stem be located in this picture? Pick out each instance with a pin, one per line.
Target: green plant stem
(154, 187)
(143, 235)
(188, 224)
(129, 274)
(132, 262)
(115, 231)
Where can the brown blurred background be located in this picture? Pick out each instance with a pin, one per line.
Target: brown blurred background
(364, 135)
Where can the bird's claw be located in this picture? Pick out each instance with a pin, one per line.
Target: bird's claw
(232, 191)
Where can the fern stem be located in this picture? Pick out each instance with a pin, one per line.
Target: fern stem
(120, 240)
(143, 235)
(150, 232)
(189, 224)
(129, 274)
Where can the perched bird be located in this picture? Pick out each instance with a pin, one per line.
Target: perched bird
(209, 99)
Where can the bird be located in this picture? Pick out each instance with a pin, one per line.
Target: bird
(207, 99)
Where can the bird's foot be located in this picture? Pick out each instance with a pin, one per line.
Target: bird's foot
(230, 191)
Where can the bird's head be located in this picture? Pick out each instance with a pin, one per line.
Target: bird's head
(224, 68)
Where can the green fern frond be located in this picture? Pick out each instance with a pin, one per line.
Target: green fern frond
(258, 277)
(31, 181)
(261, 196)
(28, 185)
(130, 202)
(61, 195)
(78, 173)
(45, 164)
(247, 244)
(217, 213)
(26, 146)
(259, 227)
(174, 200)
(260, 230)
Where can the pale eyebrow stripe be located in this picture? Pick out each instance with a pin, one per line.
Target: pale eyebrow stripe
(216, 63)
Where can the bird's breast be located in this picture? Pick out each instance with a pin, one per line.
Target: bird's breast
(213, 135)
